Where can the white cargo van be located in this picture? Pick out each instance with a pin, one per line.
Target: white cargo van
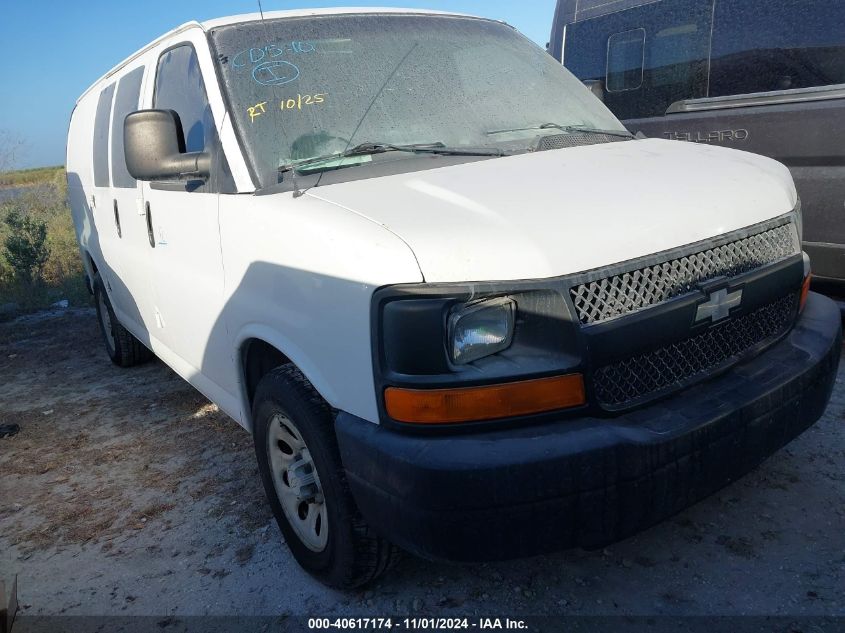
(460, 308)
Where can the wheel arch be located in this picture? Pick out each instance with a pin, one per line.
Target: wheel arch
(91, 270)
(259, 352)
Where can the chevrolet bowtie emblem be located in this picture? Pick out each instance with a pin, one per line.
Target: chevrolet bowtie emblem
(718, 306)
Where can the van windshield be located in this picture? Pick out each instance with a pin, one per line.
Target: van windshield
(300, 88)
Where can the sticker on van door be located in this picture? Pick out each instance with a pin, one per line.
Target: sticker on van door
(717, 136)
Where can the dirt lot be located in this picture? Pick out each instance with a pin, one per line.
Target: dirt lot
(126, 492)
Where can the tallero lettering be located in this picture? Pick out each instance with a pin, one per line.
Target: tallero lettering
(717, 136)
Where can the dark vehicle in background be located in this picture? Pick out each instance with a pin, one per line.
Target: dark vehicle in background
(766, 76)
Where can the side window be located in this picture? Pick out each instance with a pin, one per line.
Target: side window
(101, 137)
(625, 57)
(765, 45)
(672, 64)
(126, 101)
(649, 56)
(180, 87)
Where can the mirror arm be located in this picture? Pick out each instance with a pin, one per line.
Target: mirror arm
(193, 165)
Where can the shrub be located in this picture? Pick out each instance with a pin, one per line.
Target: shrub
(26, 250)
(28, 277)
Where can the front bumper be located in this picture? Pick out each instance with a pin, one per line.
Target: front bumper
(588, 482)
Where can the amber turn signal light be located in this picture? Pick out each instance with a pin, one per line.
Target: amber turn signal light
(805, 290)
(490, 402)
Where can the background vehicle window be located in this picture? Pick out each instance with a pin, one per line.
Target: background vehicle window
(101, 137)
(126, 101)
(677, 44)
(625, 53)
(764, 45)
(671, 64)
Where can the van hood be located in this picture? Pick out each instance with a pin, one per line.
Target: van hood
(564, 211)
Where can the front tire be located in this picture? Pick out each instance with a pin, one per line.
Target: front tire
(300, 467)
(122, 347)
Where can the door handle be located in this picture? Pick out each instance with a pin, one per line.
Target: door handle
(117, 220)
(150, 233)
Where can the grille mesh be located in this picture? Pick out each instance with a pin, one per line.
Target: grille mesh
(628, 292)
(675, 365)
(560, 141)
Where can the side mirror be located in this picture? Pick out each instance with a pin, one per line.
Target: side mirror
(154, 148)
(596, 86)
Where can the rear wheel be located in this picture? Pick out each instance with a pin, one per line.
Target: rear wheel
(303, 477)
(122, 347)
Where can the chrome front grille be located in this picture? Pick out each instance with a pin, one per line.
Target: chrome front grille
(624, 293)
(676, 365)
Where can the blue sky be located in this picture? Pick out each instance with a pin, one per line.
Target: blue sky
(53, 52)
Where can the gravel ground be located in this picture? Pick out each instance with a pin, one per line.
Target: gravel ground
(126, 492)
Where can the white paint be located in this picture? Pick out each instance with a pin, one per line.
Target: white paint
(569, 210)
(299, 13)
(299, 273)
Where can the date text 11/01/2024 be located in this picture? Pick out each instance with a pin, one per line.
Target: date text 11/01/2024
(293, 103)
(418, 623)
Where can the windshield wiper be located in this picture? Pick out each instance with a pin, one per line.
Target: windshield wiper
(587, 130)
(566, 128)
(369, 149)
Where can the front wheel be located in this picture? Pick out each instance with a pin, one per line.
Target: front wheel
(300, 467)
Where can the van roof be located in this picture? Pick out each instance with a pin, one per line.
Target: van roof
(295, 13)
(207, 25)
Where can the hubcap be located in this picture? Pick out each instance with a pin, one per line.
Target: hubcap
(297, 483)
(105, 318)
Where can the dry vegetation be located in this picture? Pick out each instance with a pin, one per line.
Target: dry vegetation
(41, 203)
(30, 177)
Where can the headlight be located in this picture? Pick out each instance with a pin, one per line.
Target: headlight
(480, 329)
